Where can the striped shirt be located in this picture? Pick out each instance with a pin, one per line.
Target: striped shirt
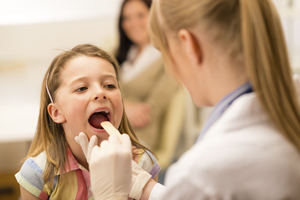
(73, 183)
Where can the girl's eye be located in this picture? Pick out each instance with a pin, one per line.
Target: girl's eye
(110, 86)
(81, 89)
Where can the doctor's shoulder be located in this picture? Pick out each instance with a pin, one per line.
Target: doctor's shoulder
(243, 163)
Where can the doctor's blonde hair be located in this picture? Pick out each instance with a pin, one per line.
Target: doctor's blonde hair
(50, 136)
(250, 32)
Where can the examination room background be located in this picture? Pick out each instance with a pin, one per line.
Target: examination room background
(32, 32)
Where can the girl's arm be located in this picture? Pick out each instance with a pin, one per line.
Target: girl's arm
(27, 195)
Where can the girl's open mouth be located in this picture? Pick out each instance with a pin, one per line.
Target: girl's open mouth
(98, 117)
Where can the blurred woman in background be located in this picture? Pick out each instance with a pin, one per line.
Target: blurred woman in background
(145, 85)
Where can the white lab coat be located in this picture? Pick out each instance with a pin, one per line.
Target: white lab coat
(242, 157)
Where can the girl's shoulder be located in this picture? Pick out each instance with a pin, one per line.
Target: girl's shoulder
(30, 175)
(147, 161)
(34, 165)
(40, 160)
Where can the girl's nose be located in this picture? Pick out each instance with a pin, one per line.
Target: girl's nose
(103, 97)
(99, 95)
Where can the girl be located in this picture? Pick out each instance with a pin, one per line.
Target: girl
(79, 91)
(230, 54)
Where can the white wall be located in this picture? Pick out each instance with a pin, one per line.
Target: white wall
(289, 11)
(37, 11)
(32, 29)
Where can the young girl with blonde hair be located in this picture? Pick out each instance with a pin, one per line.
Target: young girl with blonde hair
(79, 91)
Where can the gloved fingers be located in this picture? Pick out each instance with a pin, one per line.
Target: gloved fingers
(93, 142)
(104, 145)
(82, 139)
(125, 141)
(114, 140)
(95, 154)
(77, 139)
(106, 162)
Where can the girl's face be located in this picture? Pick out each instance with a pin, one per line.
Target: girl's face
(88, 95)
(134, 21)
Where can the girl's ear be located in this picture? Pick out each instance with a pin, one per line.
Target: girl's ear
(191, 46)
(55, 114)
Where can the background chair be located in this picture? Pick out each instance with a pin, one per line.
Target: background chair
(171, 130)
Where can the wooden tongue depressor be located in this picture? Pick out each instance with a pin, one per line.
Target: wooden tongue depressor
(110, 129)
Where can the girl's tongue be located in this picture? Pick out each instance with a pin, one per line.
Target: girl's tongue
(96, 119)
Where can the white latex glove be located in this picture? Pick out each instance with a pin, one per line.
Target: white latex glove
(139, 179)
(86, 145)
(139, 176)
(110, 169)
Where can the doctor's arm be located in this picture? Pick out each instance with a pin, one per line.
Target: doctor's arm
(148, 189)
(178, 190)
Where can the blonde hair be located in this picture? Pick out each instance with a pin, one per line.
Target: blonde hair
(250, 32)
(50, 136)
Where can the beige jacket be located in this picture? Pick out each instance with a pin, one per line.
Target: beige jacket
(155, 87)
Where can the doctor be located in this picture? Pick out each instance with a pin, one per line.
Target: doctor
(230, 54)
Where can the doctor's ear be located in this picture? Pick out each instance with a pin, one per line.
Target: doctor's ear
(55, 113)
(191, 46)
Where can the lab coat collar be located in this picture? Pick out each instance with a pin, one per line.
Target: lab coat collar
(244, 111)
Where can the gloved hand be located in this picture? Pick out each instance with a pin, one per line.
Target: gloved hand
(139, 179)
(139, 176)
(86, 145)
(110, 168)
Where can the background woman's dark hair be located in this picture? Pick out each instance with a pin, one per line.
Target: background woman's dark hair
(124, 42)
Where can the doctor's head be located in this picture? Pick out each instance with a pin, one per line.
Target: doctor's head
(214, 46)
(242, 38)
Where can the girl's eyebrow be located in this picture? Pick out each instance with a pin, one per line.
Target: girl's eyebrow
(78, 79)
(109, 76)
(86, 77)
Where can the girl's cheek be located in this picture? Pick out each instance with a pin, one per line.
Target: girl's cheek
(118, 99)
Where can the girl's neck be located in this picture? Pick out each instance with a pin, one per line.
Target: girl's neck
(78, 153)
(82, 162)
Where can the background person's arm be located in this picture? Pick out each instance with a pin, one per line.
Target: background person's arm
(138, 113)
(163, 89)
